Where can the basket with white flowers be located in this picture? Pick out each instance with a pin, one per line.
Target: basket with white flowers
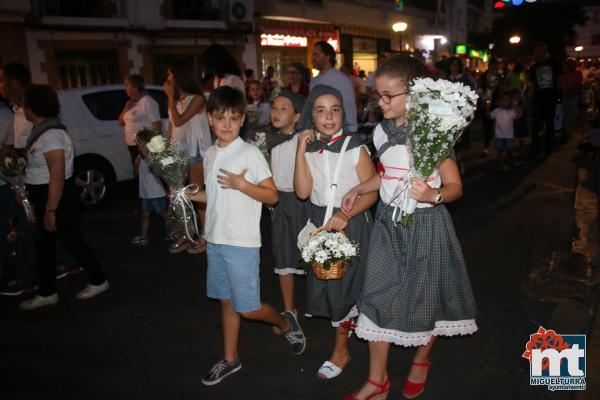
(329, 253)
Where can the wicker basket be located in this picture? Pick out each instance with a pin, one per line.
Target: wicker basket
(337, 270)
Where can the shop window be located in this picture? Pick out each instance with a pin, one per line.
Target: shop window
(195, 9)
(280, 59)
(80, 68)
(78, 8)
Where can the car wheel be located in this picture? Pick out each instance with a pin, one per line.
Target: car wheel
(93, 183)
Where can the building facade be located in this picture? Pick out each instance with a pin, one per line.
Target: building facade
(69, 43)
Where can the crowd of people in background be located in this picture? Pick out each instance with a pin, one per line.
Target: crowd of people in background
(359, 112)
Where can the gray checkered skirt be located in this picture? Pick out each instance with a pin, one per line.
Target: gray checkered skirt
(336, 299)
(289, 217)
(416, 284)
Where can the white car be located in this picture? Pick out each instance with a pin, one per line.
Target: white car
(101, 156)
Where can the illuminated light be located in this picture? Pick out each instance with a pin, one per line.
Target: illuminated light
(400, 26)
(516, 39)
(443, 40)
(517, 2)
(461, 49)
(491, 46)
(334, 43)
(283, 40)
(499, 4)
(578, 48)
(531, 1)
(406, 46)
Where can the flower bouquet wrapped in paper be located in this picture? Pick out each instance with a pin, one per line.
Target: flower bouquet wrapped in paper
(328, 253)
(171, 165)
(12, 170)
(437, 113)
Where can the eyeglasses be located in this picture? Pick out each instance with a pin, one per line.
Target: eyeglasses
(387, 98)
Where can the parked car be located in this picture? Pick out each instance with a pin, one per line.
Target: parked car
(101, 157)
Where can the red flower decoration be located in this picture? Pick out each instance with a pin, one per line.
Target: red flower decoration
(545, 339)
(380, 169)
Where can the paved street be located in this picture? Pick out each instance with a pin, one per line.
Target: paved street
(155, 333)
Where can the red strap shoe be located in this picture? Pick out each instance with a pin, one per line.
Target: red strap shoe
(382, 394)
(412, 389)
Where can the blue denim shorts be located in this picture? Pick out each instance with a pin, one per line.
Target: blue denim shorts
(233, 274)
(504, 144)
(157, 205)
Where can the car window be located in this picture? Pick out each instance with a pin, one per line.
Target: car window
(106, 106)
(160, 97)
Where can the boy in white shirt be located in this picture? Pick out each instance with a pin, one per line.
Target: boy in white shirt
(504, 115)
(238, 181)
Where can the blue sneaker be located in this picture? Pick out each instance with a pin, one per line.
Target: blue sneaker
(294, 335)
(221, 370)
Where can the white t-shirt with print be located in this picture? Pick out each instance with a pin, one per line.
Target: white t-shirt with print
(504, 128)
(151, 186)
(37, 169)
(142, 115)
(232, 217)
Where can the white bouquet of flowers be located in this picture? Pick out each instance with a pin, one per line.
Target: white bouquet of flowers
(437, 113)
(329, 252)
(12, 170)
(171, 165)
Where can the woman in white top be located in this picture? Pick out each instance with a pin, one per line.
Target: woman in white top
(141, 111)
(54, 197)
(189, 131)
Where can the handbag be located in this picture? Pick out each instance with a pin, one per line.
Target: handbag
(309, 228)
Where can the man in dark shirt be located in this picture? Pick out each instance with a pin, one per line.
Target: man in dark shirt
(543, 78)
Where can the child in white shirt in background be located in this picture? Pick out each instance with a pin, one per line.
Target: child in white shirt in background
(504, 131)
(152, 193)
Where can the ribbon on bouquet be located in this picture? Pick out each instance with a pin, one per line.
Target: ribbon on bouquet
(406, 205)
(24, 202)
(181, 200)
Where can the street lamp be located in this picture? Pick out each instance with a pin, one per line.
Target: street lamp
(400, 27)
(515, 39)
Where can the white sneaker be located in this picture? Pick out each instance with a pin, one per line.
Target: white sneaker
(92, 291)
(39, 301)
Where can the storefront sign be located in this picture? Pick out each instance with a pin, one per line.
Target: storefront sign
(283, 40)
(461, 49)
(298, 31)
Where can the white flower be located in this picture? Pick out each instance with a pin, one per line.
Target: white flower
(157, 144)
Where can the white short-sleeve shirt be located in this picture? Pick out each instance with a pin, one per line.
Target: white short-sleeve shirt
(322, 181)
(504, 128)
(151, 186)
(232, 217)
(283, 163)
(393, 166)
(37, 169)
(142, 115)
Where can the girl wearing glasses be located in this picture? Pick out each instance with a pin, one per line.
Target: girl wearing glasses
(416, 285)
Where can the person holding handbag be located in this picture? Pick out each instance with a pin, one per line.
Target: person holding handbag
(53, 194)
(330, 162)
